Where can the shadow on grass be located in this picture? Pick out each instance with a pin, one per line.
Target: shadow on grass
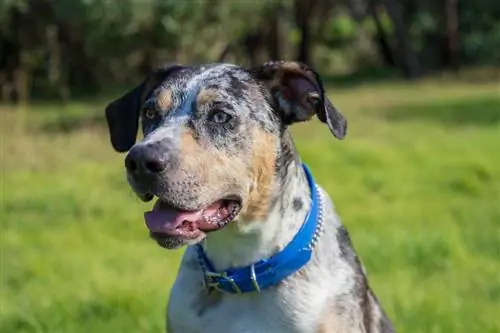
(483, 111)
(49, 117)
(68, 124)
(369, 75)
(381, 75)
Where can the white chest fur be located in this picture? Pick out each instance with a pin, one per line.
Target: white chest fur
(289, 308)
(298, 305)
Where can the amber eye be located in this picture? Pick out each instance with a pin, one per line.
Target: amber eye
(149, 113)
(219, 117)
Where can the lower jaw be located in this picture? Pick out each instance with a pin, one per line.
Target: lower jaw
(179, 239)
(174, 242)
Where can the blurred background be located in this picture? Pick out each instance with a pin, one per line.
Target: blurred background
(417, 180)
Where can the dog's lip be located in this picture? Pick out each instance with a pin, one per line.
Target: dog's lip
(167, 220)
(145, 196)
(164, 203)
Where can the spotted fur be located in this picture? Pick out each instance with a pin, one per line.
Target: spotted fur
(222, 130)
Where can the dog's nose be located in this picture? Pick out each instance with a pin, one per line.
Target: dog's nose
(145, 159)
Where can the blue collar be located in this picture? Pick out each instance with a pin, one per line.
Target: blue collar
(271, 271)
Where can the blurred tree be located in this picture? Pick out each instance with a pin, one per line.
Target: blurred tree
(402, 14)
(382, 36)
(304, 11)
(274, 35)
(452, 33)
(62, 48)
(479, 26)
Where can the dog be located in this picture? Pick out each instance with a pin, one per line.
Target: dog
(265, 249)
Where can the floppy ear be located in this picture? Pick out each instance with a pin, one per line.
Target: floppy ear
(298, 94)
(122, 115)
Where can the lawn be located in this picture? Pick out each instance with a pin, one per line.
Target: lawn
(416, 181)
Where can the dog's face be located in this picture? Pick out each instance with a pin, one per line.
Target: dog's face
(212, 142)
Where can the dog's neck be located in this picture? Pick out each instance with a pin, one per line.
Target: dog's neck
(243, 243)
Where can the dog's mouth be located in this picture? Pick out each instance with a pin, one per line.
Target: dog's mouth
(165, 220)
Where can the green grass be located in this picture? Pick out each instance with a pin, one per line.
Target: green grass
(417, 183)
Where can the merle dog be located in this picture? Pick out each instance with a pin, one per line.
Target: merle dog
(266, 251)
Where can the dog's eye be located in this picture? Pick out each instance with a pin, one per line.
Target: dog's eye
(314, 99)
(219, 117)
(149, 113)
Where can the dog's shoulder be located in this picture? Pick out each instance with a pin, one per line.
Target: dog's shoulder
(351, 306)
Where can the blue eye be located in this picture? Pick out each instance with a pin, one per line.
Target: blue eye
(219, 117)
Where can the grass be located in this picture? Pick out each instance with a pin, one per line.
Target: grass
(417, 183)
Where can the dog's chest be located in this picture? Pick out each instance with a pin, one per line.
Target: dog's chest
(192, 316)
(191, 310)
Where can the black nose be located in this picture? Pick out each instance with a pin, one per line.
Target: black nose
(145, 159)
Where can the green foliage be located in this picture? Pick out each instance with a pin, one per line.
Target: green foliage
(340, 32)
(416, 182)
(99, 43)
(425, 23)
(368, 24)
(480, 26)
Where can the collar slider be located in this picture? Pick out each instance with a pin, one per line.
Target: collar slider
(253, 278)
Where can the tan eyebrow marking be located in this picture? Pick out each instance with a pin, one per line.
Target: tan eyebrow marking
(165, 99)
(205, 96)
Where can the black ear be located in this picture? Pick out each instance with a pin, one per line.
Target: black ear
(298, 94)
(122, 115)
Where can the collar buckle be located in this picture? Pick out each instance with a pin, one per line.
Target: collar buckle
(214, 280)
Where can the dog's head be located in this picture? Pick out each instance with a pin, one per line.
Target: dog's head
(212, 146)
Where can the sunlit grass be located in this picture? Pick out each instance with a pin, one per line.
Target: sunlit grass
(417, 183)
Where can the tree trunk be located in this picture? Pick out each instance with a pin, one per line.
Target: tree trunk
(273, 39)
(251, 44)
(9, 62)
(452, 33)
(56, 70)
(382, 39)
(303, 12)
(406, 59)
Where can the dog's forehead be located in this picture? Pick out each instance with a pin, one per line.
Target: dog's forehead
(195, 90)
(226, 79)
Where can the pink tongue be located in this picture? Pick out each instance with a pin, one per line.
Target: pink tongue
(164, 220)
(168, 220)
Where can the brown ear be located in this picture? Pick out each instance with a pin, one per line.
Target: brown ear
(298, 94)
(122, 115)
